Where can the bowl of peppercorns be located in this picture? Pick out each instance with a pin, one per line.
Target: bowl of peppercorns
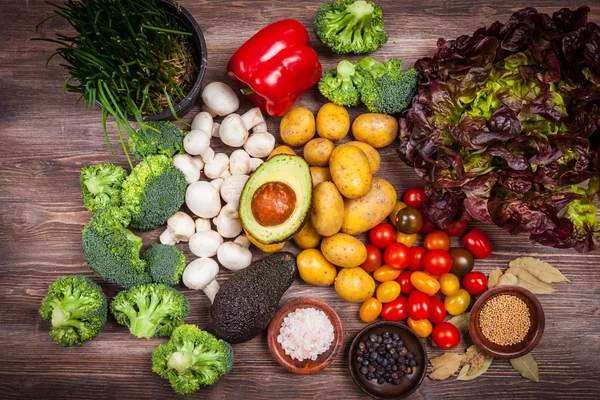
(387, 360)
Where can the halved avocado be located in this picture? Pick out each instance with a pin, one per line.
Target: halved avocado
(276, 199)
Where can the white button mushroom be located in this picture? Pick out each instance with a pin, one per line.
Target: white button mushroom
(203, 121)
(167, 238)
(239, 162)
(208, 155)
(215, 167)
(234, 256)
(203, 199)
(255, 163)
(209, 110)
(214, 132)
(205, 243)
(220, 98)
(262, 127)
(253, 117)
(196, 142)
(227, 222)
(186, 164)
(201, 274)
(202, 224)
(199, 162)
(232, 131)
(217, 184)
(181, 226)
(232, 187)
(260, 144)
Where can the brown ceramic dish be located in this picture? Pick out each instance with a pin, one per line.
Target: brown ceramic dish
(535, 331)
(307, 366)
(389, 391)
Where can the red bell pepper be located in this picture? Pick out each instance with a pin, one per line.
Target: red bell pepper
(276, 66)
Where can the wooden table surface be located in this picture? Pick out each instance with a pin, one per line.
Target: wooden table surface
(45, 139)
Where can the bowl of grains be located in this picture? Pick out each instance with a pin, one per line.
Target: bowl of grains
(305, 336)
(507, 322)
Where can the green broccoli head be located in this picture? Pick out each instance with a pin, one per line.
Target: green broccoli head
(112, 251)
(101, 185)
(151, 310)
(164, 263)
(341, 85)
(192, 358)
(76, 306)
(159, 137)
(348, 26)
(153, 192)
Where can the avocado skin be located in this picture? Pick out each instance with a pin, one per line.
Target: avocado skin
(247, 301)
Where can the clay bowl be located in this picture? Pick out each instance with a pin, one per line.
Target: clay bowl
(305, 367)
(387, 390)
(534, 335)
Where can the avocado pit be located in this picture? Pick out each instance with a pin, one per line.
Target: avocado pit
(273, 203)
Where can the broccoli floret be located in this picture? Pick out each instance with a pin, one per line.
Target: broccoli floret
(192, 358)
(112, 251)
(153, 192)
(385, 88)
(76, 306)
(341, 85)
(159, 137)
(101, 185)
(151, 310)
(349, 26)
(164, 263)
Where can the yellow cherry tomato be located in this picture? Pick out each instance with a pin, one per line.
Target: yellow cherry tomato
(458, 302)
(424, 283)
(399, 206)
(388, 291)
(370, 310)
(449, 284)
(408, 240)
(421, 327)
(385, 273)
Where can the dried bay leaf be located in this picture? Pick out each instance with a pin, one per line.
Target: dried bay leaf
(494, 277)
(444, 366)
(461, 322)
(472, 352)
(530, 282)
(508, 279)
(540, 269)
(527, 367)
(471, 371)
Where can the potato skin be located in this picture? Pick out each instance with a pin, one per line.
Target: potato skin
(320, 174)
(307, 237)
(315, 269)
(283, 149)
(371, 153)
(327, 209)
(378, 130)
(350, 171)
(297, 126)
(344, 250)
(333, 122)
(365, 213)
(317, 152)
(354, 285)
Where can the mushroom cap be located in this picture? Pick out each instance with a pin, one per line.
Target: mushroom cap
(200, 272)
(205, 243)
(203, 199)
(220, 98)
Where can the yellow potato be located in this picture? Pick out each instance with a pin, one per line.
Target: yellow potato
(266, 248)
(297, 126)
(371, 153)
(354, 285)
(344, 250)
(365, 213)
(378, 130)
(350, 171)
(327, 209)
(308, 237)
(333, 122)
(317, 152)
(282, 150)
(315, 269)
(320, 174)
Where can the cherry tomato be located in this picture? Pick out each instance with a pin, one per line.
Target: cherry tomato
(462, 261)
(421, 327)
(399, 206)
(419, 305)
(458, 302)
(404, 280)
(385, 273)
(370, 310)
(475, 283)
(438, 311)
(456, 228)
(415, 258)
(396, 255)
(427, 225)
(407, 239)
(396, 310)
(409, 220)
(388, 291)
(477, 243)
(382, 235)
(445, 336)
(449, 284)
(437, 240)
(373, 260)
(437, 262)
(415, 197)
(424, 283)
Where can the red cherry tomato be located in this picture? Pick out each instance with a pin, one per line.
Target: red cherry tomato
(477, 243)
(404, 281)
(373, 260)
(456, 228)
(382, 235)
(475, 283)
(438, 311)
(437, 240)
(445, 336)
(427, 225)
(396, 310)
(419, 305)
(415, 197)
(437, 262)
(396, 256)
(415, 258)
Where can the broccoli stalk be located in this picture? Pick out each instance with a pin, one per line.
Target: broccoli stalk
(101, 185)
(341, 85)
